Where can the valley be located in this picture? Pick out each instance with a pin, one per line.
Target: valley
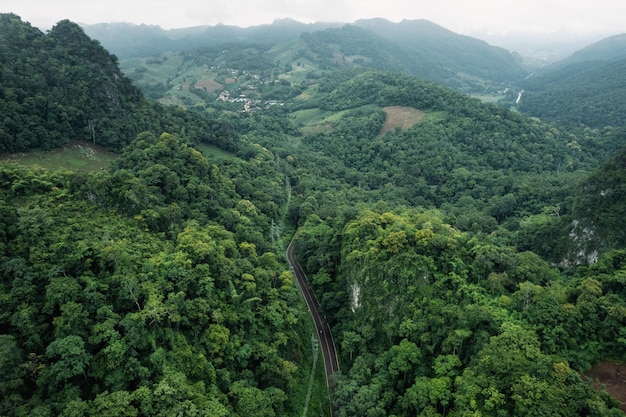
(148, 202)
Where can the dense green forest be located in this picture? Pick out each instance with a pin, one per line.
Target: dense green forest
(470, 262)
(63, 86)
(590, 93)
(588, 87)
(420, 48)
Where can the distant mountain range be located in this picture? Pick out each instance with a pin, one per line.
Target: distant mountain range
(128, 40)
(588, 87)
(417, 47)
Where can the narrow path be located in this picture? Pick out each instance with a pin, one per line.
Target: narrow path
(327, 344)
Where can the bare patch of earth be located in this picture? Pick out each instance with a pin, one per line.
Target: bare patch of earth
(400, 116)
(611, 376)
(319, 128)
(209, 85)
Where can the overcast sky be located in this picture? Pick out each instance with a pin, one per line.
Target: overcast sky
(461, 16)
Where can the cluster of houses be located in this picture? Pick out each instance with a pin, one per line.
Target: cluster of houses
(249, 105)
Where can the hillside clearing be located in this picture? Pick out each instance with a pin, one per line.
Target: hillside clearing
(403, 117)
(610, 376)
(75, 156)
(209, 85)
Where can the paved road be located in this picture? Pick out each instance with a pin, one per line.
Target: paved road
(327, 344)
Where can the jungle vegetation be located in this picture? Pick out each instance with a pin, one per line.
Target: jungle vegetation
(469, 263)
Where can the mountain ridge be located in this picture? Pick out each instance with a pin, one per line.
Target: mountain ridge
(157, 287)
(587, 87)
(418, 47)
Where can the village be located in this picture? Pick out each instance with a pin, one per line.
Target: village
(250, 105)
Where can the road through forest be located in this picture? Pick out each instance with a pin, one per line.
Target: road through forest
(326, 342)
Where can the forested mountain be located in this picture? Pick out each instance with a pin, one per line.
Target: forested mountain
(127, 40)
(153, 288)
(456, 53)
(589, 87)
(421, 48)
(467, 258)
(63, 86)
(612, 48)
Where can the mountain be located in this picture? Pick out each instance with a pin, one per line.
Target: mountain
(128, 40)
(419, 47)
(588, 87)
(456, 53)
(435, 230)
(63, 86)
(612, 48)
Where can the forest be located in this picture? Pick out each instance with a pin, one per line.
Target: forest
(469, 263)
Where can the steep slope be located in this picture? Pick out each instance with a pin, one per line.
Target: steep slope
(590, 92)
(457, 53)
(63, 86)
(608, 49)
(420, 48)
(600, 208)
(589, 87)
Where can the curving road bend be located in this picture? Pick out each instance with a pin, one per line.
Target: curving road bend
(327, 344)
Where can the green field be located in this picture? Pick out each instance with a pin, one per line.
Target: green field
(215, 153)
(76, 156)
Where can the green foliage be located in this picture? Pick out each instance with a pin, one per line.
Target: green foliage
(588, 92)
(420, 48)
(157, 287)
(435, 322)
(118, 313)
(599, 208)
(63, 86)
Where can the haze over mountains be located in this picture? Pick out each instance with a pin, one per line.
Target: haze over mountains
(469, 260)
(418, 47)
(553, 80)
(537, 49)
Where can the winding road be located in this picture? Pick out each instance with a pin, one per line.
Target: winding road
(327, 344)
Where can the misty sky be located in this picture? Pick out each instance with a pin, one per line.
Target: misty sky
(462, 16)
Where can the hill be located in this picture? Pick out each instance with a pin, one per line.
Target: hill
(440, 249)
(63, 86)
(612, 48)
(130, 41)
(589, 87)
(420, 48)
(462, 55)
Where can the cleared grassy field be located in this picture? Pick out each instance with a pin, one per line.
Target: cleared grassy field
(213, 152)
(402, 117)
(317, 120)
(75, 156)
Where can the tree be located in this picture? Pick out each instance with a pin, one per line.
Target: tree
(10, 361)
(68, 359)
